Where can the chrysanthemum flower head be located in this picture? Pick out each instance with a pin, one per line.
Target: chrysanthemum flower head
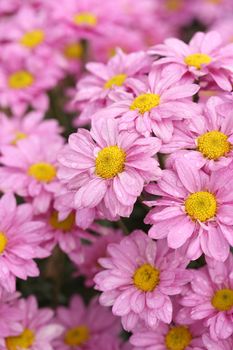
(206, 139)
(168, 337)
(154, 103)
(39, 330)
(194, 211)
(138, 279)
(107, 168)
(85, 327)
(204, 56)
(210, 298)
(24, 81)
(30, 170)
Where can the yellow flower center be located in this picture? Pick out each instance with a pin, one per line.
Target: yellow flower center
(73, 51)
(86, 19)
(197, 60)
(43, 172)
(3, 242)
(223, 300)
(64, 225)
(178, 338)
(32, 39)
(146, 278)
(145, 102)
(110, 161)
(77, 336)
(23, 341)
(18, 136)
(117, 80)
(213, 144)
(201, 206)
(174, 5)
(20, 80)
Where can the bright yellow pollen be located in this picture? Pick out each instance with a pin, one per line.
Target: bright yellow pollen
(43, 172)
(213, 144)
(110, 161)
(145, 102)
(23, 341)
(201, 206)
(3, 242)
(73, 51)
(146, 278)
(32, 39)
(117, 80)
(197, 60)
(86, 19)
(174, 5)
(178, 338)
(64, 225)
(18, 136)
(223, 300)
(77, 336)
(20, 80)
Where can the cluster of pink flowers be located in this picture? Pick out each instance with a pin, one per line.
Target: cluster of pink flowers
(116, 175)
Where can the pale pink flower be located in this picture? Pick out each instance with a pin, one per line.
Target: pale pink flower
(108, 168)
(204, 56)
(195, 210)
(210, 298)
(21, 241)
(39, 330)
(30, 170)
(88, 18)
(139, 278)
(208, 11)
(95, 250)
(154, 104)
(206, 139)
(10, 315)
(104, 78)
(173, 336)
(24, 81)
(32, 31)
(32, 124)
(85, 327)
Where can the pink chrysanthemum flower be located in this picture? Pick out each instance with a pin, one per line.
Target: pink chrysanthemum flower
(138, 279)
(32, 31)
(20, 242)
(97, 249)
(154, 105)
(10, 315)
(108, 168)
(32, 124)
(168, 337)
(208, 138)
(210, 298)
(30, 170)
(195, 210)
(211, 344)
(85, 327)
(24, 81)
(88, 17)
(39, 330)
(104, 78)
(204, 56)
